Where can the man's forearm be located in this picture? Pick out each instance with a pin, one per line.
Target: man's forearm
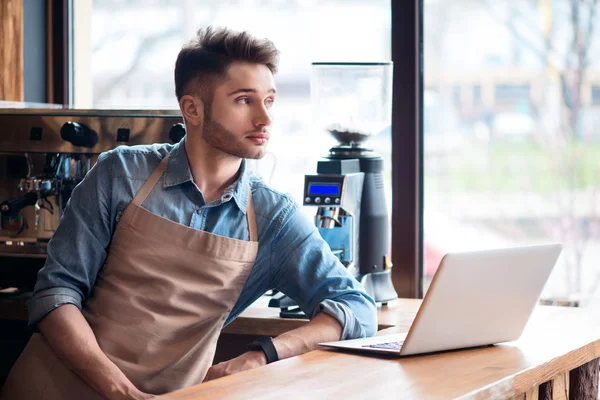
(73, 341)
(322, 328)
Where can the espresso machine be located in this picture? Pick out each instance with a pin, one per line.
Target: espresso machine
(44, 154)
(352, 102)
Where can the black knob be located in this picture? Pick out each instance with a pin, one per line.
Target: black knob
(78, 134)
(177, 132)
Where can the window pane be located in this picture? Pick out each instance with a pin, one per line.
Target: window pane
(512, 149)
(128, 51)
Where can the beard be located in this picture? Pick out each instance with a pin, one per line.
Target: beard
(228, 142)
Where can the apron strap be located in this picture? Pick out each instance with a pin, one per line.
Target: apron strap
(150, 183)
(154, 178)
(251, 217)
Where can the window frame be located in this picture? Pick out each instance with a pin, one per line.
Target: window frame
(59, 52)
(407, 148)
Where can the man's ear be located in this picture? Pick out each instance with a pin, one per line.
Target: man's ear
(192, 109)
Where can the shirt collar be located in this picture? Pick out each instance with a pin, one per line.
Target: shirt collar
(241, 188)
(178, 172)
(178, 168)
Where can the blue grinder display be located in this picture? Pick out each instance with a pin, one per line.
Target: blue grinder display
(352, 102)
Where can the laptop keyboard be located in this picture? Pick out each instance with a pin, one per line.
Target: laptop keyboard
(388, 346)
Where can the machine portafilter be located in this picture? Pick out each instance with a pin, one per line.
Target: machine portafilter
(37, 191)
(61, 173)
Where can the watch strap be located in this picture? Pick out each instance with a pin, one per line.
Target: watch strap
(265, 343)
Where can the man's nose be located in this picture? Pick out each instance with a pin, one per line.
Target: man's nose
(262, 116)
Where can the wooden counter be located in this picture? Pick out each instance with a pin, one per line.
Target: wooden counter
(556, 356)
(261, 320)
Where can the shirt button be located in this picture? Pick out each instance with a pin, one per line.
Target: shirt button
(199, 211)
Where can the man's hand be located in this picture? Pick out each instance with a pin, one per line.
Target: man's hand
(249, 360)
(72, 340)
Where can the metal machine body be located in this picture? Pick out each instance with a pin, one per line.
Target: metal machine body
(352, 215)
(44, 154)
(352, 218)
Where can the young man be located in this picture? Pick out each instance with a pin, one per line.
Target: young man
(163, 245)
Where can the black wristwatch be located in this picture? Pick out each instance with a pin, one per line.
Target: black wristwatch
(265, 343)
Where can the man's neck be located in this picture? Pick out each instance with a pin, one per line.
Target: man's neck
(212, 170)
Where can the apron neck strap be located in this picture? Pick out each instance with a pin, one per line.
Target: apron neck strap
(251, 217)
(150, 183)
(154, 178)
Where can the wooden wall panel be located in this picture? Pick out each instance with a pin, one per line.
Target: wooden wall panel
(11, 50)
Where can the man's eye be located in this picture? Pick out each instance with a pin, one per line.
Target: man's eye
(243, 100)
(269, 102)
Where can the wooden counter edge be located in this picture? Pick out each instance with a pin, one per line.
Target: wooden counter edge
(573, 362)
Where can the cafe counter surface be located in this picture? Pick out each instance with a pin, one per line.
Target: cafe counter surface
(555, 358)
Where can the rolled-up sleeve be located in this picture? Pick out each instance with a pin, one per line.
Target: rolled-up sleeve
(304, 268)
(77, 249)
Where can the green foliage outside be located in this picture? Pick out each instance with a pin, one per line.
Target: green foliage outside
(516, 166)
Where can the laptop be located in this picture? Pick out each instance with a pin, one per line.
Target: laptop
(475, 299)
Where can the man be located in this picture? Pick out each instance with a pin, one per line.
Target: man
(163, 245)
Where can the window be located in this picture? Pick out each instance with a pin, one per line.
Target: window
(456, 95)
(517, 95)
(525, 170)
(477, 99)
(595, 95)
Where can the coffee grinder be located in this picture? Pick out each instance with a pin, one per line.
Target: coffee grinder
(352, 102)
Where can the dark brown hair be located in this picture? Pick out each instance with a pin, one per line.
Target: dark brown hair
(205, 59)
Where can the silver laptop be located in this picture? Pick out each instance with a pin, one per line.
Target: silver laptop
(475, 299)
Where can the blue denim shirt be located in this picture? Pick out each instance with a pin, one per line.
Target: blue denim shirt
(292, 256)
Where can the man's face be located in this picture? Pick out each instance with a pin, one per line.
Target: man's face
(238, 119)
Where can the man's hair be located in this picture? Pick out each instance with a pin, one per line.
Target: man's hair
(204, 61)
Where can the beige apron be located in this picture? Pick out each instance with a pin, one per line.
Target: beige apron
(157, 307)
